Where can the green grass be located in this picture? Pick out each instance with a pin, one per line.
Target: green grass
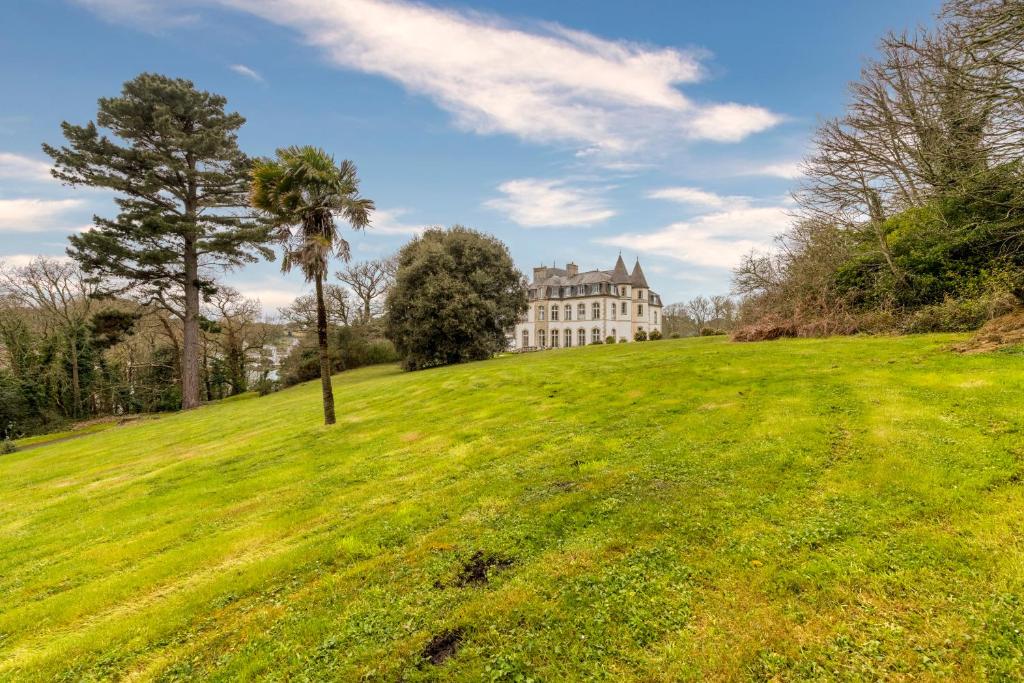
(808, 509)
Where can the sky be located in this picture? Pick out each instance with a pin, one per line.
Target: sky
(667, 130)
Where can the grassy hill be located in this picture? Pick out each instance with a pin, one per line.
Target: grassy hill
(691, 509)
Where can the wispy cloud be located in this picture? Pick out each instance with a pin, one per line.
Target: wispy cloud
(534, 203)
(148, 15)
(34, 215)
(390, 222)
(18, 167)
(246, 71)
(540, 82)
(715, 240)
(790, 170)
(694, 196)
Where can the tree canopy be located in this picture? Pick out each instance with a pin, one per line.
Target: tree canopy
(456, 295)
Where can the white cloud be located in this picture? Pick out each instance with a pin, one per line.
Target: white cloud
(144, 14)
(246, 71)
(540, 82)
(715, 240)
(20, 260)
(270, 298)
(18, 167)
(389, 222)
(694, 196)
(34, 215)
(790, 170)
(534, 202)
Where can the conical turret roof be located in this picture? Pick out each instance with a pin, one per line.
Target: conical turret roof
(637, 279)
(620, 275)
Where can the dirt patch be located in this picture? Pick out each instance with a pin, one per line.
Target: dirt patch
(477, 570)
(1006, 330)
(443, 646)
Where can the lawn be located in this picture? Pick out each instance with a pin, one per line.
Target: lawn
(696, 509)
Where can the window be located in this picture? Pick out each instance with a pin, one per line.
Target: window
(623, 308)
(639, 294)
(595, 335)
(526, 338)
(640, 309)
(554, 339)
(540, 313)
(581, 312)
(568, 311)
(611, 310)
(542, 340)
(655, 314)
(595, 311)
(554, 314)
(612, 335)
(568, 338)
(581, 337)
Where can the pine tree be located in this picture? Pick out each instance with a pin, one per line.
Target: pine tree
(181, 184)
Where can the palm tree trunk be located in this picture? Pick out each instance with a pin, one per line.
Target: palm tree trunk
(325, 361)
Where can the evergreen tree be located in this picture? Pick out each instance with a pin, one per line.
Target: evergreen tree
(456, 296)
(181, 181)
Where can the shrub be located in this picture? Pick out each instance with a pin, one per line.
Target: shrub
(711, 332)
(655, 335)
(623, 340)
(674, 335)
(596, 341)
(7, 446)
(952, 315)
(609, 339)
(641, 335)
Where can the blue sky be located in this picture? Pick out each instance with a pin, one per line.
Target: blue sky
(669, 129)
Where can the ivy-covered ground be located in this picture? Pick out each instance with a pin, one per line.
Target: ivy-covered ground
(695, 509)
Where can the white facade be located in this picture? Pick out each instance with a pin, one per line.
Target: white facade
(568, 308)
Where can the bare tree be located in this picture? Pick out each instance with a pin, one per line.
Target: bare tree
(369, 281)
(337, 301)
(700, 311)
(240, 333)
(64, 295)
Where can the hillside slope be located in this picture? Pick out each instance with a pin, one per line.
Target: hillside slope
(687, 509)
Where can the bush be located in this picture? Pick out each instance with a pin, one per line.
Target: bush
(609, 339)
(623, 340)
(711, 332)
(7, 446)
(674, 335)
(596, 341)
(952, 315)
(655, 335)
(641, 335)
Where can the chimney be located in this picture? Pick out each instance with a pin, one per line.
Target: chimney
(571, 269)
(540, 273)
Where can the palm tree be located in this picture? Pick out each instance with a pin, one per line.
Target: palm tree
(302, 190)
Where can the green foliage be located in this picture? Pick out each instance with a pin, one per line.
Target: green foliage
(609, 339)
(688, 510)
(7, 447)
(177, 177)
(655, 335)
(456, 294)
(711, 332)
(640, 336)
(350, 347)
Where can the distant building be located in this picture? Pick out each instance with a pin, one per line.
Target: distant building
(570, 308)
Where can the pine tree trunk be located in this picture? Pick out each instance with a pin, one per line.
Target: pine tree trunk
(325, 361)
(190, 347)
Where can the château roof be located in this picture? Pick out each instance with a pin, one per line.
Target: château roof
(619, 274)
(637, 278)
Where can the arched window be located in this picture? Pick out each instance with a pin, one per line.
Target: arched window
(554, 313)
(581, 312)
(542, 338)
(568, 311)
(595, 311)
(595, 335)
(540, 313)
(554, 339)
(526, 338)
(581, 336)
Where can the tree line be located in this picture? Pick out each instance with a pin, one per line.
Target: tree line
(911, 213)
